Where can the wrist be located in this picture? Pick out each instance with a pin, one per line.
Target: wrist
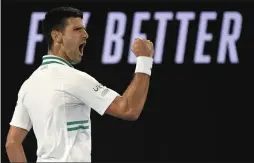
(144, 65)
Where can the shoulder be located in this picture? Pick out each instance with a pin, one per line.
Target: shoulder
(78, 75)
(28, 82)
(23, 88)
(77, 80)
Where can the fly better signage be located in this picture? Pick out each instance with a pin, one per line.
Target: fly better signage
(115, 36)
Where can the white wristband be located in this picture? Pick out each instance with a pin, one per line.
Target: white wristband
(144, 65)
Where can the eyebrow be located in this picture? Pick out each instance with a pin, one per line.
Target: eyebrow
(80, 28)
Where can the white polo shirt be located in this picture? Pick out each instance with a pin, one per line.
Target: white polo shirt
(56, 101)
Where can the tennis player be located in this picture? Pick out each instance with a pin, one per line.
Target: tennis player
(56, 100)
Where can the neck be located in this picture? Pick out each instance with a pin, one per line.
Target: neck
(56, 51)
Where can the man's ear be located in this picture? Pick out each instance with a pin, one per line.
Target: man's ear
(56, 36)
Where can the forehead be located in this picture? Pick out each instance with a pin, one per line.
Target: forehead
(74, 22)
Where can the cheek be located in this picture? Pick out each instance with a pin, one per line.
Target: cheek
(69, 43)
(70, 39)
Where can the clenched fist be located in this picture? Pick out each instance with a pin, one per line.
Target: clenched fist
(142, 47)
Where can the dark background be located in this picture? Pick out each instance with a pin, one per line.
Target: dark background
(193, 112)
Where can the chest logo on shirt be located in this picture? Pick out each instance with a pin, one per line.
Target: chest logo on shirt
(97, 87)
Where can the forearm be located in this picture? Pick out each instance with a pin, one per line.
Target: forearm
(131, 103)
(136, 93)
(16, 153)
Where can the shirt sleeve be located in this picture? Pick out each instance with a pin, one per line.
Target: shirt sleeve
(20, 116)
(91, 92)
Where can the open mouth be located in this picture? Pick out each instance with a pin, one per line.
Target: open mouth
(81, 47)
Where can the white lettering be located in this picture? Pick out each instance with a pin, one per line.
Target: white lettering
(162, 18)
(113, 46)
(228, 41)
(33, 36)
(137, 22)
(184, 18)
(116, 38)
(86, 16)
(203, 37)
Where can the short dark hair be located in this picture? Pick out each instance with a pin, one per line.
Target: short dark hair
(55, 19)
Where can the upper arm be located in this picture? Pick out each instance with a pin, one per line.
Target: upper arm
(20, 123)
(20, 116)
(99, 97)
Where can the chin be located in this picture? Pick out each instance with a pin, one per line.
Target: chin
(76, 62)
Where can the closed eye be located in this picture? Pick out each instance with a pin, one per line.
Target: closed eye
(79, 28)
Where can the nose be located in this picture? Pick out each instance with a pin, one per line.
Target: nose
(85, 35)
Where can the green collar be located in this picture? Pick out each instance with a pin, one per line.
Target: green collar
(48, 59)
